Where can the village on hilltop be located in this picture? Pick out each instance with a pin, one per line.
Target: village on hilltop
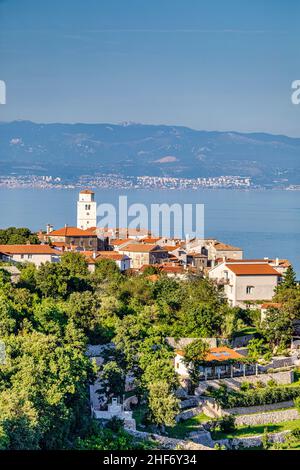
(225, 365)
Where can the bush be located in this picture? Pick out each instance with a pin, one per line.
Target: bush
(115, 424)
(245, 386)
(296, 433)
(260, 384)
(272, 383)
(227, 424)
(261, 396)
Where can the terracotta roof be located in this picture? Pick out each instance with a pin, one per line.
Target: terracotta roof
(173, 269)
(271, 305)
(72, 232)
(86, 191)
(243, 269)
(150, 240)
(120, 241)
(220, 354)
(225, 247)
(171, 247)
(28, 249)
(110, 255)
(153, 277)
(282, 262)
(101, 254)
(140, 248)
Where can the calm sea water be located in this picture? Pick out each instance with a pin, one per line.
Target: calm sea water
(263, 223)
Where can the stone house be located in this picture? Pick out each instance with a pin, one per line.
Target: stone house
(141, 254)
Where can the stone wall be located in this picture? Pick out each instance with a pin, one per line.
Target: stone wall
(241, 341)
(168, 442)
(266, 418)
(212, 409)
(189, 402)
(188, 414)
(243, 410)
(252, 441)
(281, 378)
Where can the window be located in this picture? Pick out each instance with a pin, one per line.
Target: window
(29, 256)
(249, 289)
(88, 207)
(177, 365)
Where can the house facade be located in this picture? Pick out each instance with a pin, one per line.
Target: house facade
(75, 238)
(143, 254)
(36, 254)
(246, 282)
(220, 362)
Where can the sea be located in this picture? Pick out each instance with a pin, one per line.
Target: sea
(264, 223)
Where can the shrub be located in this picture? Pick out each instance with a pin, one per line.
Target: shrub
(261, 396)
(296, 433)
(115, 424)
(272, 383)
(227, 424)
(260, 384)
(245, 386)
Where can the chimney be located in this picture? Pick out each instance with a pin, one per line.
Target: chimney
(94, 254)
(277, 262)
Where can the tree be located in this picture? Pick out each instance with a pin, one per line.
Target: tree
(194, 355)
(196, 351)
(106, 269)
(112, 380)
(17, 236)
(163, 404)
(277, 328)
(257, 348)
(75, 263)
(28, 276)
(288, 281)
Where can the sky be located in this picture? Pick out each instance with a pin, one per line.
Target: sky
(211, 65)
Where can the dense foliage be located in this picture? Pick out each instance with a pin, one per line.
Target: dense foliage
(263, 396)
(16, 236)
(53, 312)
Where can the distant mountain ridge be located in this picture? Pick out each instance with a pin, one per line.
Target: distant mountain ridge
(70, 150)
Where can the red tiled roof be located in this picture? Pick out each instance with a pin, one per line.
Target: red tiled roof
(173, 269)
(243, 269)
(28, 249)
(86, 191)
(271, 305)
(225, 247)
(120, 241)
(72, 232)
(221, 353)
(150, 240)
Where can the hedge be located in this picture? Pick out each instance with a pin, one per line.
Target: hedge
(264, 396)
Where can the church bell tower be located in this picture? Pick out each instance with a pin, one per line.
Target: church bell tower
(86, 210)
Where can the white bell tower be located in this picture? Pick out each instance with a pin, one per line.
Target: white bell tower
(86, 210)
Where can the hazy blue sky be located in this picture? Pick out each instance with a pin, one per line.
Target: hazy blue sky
(215, 64)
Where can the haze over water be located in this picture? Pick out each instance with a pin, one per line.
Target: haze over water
(263, 223)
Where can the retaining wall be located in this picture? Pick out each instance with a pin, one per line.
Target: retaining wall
(266, 418)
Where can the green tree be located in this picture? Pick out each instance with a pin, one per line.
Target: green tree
(163, 404)
(277, 328)
(112, 380)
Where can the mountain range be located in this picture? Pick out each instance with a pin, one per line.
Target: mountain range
(129, 149)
